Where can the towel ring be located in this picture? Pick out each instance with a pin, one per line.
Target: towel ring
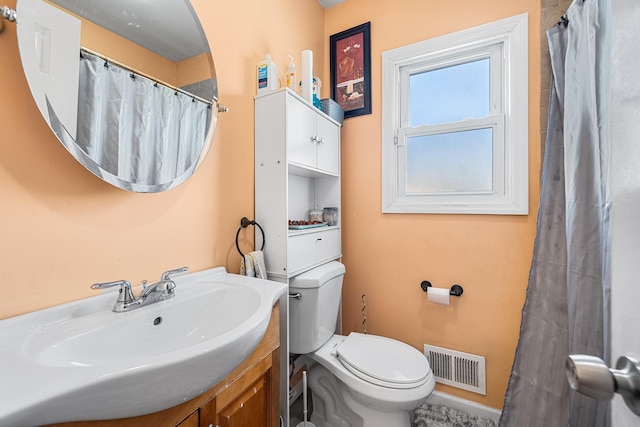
(244, 223)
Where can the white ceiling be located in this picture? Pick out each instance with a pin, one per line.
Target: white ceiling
(167, 27)
(328, 3)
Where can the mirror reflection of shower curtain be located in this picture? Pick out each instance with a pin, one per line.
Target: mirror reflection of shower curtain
(135, 129)
(567, 302)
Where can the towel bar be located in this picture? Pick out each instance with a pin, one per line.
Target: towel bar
(244, 223)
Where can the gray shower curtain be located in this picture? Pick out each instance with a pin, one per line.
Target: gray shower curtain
(135, 128)
(567, 303)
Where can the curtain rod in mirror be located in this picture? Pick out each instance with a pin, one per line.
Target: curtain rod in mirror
(140, 73)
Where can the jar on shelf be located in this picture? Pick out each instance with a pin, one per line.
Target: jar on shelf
(330, 215)
(316, 214)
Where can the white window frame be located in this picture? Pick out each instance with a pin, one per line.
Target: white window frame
(505, 43)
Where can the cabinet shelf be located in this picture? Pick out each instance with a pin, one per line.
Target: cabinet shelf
(312, 230)
(308, 172)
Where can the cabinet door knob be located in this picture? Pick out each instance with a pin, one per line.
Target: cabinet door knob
(314, 139)
(320, 140)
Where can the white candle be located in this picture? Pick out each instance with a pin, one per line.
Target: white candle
(307, 75)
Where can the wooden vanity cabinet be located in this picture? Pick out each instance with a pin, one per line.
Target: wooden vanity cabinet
(251, 400)
(251, 407)
(248, 397)
(192, 420)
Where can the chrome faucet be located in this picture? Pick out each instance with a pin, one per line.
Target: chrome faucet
(158, 291)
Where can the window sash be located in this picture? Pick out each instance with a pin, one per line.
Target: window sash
(496, 123)
(494, 53)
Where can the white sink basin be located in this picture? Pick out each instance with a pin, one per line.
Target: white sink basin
(81, 361)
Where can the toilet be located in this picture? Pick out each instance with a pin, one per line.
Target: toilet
(359, 380)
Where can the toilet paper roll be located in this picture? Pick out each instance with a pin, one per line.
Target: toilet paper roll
(439, 295)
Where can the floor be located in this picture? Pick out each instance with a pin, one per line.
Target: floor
(430, 415)
(426, 415)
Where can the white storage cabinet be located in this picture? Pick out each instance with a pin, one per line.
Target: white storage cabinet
(297, 167)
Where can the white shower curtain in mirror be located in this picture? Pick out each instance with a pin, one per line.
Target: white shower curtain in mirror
(135, 129)
(567, 303)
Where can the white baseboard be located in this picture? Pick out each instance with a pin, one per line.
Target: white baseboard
(471, 408)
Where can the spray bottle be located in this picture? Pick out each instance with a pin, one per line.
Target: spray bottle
(291, 74)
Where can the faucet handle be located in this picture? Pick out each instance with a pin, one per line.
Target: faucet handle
(167, 274)
(125, 295)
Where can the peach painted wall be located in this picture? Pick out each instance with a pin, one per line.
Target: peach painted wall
(193, 70)
(62, 229)
(388, 255)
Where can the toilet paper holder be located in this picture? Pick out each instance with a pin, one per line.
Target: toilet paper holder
(455, 290)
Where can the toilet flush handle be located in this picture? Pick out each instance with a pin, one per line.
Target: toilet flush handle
(297, 296)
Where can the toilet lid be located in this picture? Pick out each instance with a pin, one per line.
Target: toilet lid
(383, 361)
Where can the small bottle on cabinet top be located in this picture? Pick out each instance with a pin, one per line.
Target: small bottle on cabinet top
(267, 75)
(291, 75)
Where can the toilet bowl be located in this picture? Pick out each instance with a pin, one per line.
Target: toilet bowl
(381, 388)
(358, 380)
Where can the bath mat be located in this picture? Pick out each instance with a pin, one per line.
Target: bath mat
(428, 415)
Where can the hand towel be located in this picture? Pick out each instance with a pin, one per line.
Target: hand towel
(252, 265)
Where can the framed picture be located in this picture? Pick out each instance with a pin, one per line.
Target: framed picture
(350, 62)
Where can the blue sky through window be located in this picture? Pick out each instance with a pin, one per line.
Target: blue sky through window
(450, 94)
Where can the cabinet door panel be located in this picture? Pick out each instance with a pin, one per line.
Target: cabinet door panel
(308, 250)
(249, 409)
(208, 414)
(301, 133)
(191, 421)
(328, 146)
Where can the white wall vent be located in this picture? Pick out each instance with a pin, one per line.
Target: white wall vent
(457, 369)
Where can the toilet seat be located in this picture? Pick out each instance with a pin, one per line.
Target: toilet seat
(383, 361)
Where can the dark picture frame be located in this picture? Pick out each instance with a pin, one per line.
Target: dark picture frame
(350, 62)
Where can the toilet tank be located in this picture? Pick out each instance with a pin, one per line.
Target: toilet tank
(313, 317)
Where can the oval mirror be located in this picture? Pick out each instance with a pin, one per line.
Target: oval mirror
(128, 86)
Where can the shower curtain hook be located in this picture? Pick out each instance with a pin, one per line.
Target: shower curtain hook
(564, 20)
(7, 13)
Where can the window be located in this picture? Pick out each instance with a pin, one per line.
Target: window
(455, 123)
